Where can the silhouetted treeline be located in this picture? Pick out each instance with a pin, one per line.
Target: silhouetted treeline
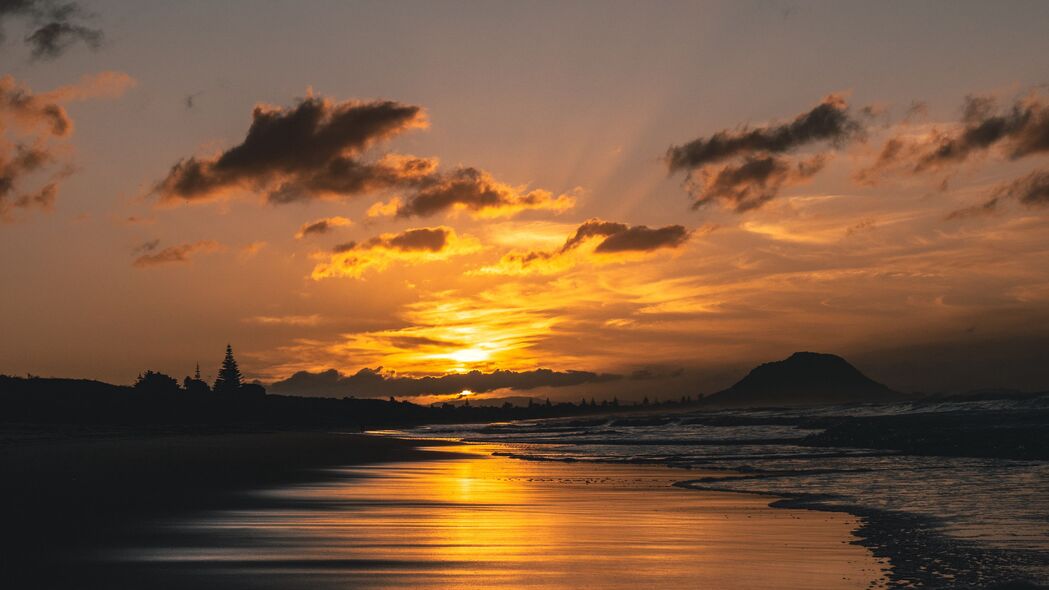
(157, 400)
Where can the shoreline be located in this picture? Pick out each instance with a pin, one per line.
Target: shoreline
(918, 554)
(78, 497)
(489, 520)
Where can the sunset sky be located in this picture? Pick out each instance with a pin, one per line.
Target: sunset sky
(599, 198)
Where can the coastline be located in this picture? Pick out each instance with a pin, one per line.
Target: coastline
(90, 497)
(486, 520)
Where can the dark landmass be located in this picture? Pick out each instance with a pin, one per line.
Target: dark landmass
(63, 501)
(803, 379)
(83, 404)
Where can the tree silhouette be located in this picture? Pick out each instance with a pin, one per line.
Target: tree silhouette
(156, 382)
(195, 385)
(228, 380)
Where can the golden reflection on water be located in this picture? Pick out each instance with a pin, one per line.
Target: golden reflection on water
(492, 522)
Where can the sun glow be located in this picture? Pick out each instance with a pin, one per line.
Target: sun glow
(469, 355)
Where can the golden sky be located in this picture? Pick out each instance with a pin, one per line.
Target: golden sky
(648, 202)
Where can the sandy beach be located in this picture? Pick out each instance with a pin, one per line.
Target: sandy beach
(463, 518)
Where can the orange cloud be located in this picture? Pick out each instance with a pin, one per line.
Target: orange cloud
(413, 246)
(28, 147)
(387, 209)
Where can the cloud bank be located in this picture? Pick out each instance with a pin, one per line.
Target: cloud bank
(375, 383)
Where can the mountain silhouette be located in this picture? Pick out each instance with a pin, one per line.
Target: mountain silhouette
(805, 378)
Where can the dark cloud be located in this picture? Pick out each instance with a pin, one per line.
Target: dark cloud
(1020, 130)
(1031, 190)
(175, 254)
(430, 239)
(55, 26)
(147, 246)
(16, 163)
(761, 168)
(375, 383)
(620, 237)
(475, 191)
(614, 238)
(315, 150)
(302, 150)
(752, 183)
(828, 121)
(1023, 127)
(321, 226)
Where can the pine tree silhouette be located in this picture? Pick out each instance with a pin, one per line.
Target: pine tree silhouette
(228, 380)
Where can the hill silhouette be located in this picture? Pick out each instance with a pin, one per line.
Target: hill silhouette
(803, 379)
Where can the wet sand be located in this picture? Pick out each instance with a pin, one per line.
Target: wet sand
(479, 521)
(64, 496)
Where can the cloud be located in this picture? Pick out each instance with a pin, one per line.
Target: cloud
(1023, 128)
(316, 150)
(321, 226)
(30, 124)
(1031, 190)
(411, 246)
(988, 207)
(32, 111)
(761, 169)
(754, 182)
(477, 192)
(302, 149)
(147, 246)
(55, 26)
(1018, 131)
(176, 254)
(387, 209)
(827, 121)
(250, 250)
(18, 161)
(106, 84)
(608, 238)
(369, 382)
(285, 320)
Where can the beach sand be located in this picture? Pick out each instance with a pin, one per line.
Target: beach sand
(66, 495)
(480, 521)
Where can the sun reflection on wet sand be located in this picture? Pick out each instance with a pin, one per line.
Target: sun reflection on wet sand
(493, 522)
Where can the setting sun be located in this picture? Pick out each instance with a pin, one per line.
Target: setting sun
(469, 355)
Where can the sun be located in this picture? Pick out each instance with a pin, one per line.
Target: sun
(470, 355)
